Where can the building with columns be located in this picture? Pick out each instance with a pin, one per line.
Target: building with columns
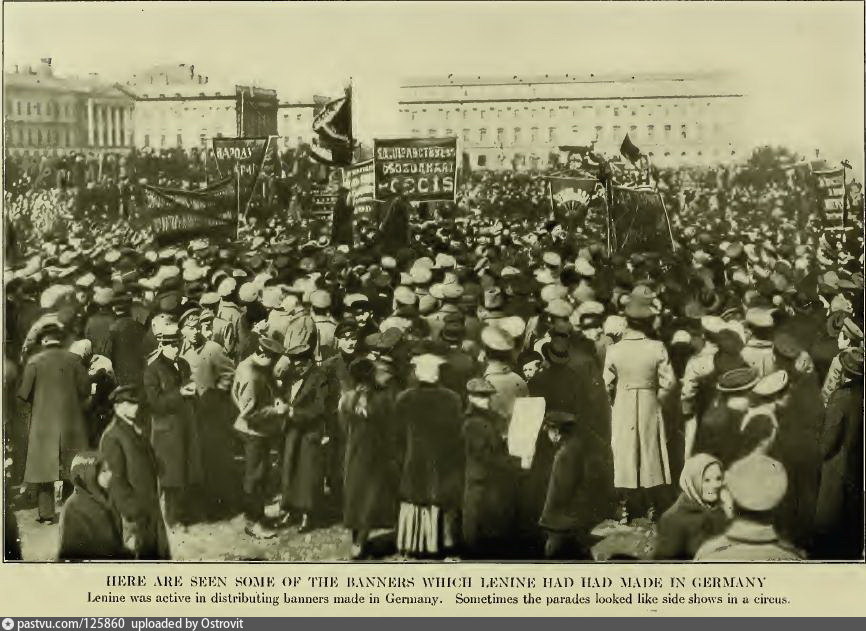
(48, 114)
(519, 122)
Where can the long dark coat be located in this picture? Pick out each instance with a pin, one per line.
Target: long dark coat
(433, 461)
(490, 478)
(684, 527)
(98, 331)
(90, 528)
(580, 493)
(55, 382)
(215, 415)
(394, 229)
(305, 459)
(798, 448)
(839, 514)
(127, 353)
(371, 466)
(174, 430)
(342, 222)
(133, 488)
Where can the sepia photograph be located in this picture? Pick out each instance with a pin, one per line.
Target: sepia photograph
(496, 282)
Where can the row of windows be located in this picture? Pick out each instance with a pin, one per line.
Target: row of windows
(31, 137)
(552, 134)
(552, 112)
(202, 139)
(31, 108)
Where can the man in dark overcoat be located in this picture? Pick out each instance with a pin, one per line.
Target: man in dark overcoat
(490, 478)
(311, 424)
(168, 391)
(97, 329)
(580, 493)
(394, 231)
(133, 488)
(56, 385)
(343, 218)
(839, 514)
(126, 351)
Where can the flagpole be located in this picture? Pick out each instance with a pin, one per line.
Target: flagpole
(352, 120)
(238, 202)
(550, 195)
(241, 122)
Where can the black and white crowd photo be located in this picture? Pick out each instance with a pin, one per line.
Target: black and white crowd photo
(469, 281)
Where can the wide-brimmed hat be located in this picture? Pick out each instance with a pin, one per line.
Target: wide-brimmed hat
(737, 380)
(852, 361)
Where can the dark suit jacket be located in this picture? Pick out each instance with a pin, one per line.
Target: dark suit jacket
(126, 350)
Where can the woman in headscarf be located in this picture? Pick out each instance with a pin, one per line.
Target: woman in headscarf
(697, 514)
(90, 526)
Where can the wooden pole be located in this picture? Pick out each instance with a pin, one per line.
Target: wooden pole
(238, 201)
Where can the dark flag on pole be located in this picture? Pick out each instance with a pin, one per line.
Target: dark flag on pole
(629, 150)
(332, 123)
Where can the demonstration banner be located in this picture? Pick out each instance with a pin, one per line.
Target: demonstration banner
(425, 167)
(243, 159)
(360, 179)
(175, 213)
(572, 197)
(639, 221)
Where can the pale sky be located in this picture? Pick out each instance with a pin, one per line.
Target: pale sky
(801, 64)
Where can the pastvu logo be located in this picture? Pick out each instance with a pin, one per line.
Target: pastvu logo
(8, 623)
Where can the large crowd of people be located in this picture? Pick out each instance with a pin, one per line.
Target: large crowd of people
(368, 371)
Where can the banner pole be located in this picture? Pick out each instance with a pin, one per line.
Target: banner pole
(238, 202)
(667, 220)
(550, 197)
(607, 219)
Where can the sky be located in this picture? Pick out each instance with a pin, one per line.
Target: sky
(800, 64)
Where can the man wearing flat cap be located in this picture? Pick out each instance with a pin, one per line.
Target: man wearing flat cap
(261, 416)
(498, 347)
(311, 429)
(757, 485)
(133, 488)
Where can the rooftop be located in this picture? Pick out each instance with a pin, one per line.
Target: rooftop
(44, 78)
(494, 80)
